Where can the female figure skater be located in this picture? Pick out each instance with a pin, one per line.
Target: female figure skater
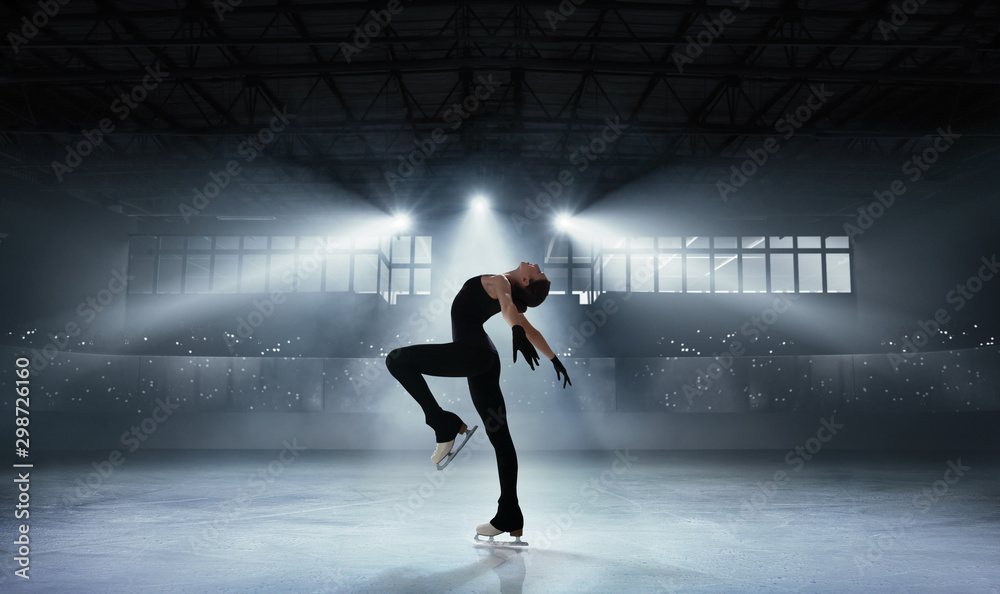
(473, 355)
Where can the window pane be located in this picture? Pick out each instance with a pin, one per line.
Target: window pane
(670, 242)
(141, 267)
(725, 242)
(227, 243)
(726, 273)
(784, 242)
(642, 243)
(670, 273)
(698, 273)
(838, 273)
(810, 273)
(282, 268)
(581, 280)
(172, 242)
(254, 243)
(365, 273)
(422, 250)
(196, 274)
(254, 273)
(613, 243)
(309, 243)
(837, 243)
(782, 273)
(753, 243)
(338, 273)
(754, 273)
(422, 281)
(199, 243)
(642, 273)
(142, 244)
(383, 283)
(581, 252)
(558, 252)
(309, 272)
(282, 243)
(401, 250)
(168, 278)
(400, 282)
(696, 242)
(559, 279)
(809, 243)
(226, 268)
(613, 269)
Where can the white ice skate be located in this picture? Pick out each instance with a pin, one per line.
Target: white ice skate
(489, 531)
(444, 452)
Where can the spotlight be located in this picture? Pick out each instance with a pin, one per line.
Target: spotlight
(400, 222)
(480, 203)
(563, 222)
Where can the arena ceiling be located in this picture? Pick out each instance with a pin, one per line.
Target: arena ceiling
(418, 104)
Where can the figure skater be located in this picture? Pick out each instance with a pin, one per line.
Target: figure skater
(473, 355)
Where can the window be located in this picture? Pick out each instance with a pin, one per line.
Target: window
(700, 264)
(388, 266)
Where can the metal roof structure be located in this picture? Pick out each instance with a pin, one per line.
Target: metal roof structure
(132, 105)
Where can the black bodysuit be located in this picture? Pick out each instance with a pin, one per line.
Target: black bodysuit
(469, 311)
(473, 355)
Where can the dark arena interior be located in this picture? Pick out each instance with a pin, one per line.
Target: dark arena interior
(237, 235)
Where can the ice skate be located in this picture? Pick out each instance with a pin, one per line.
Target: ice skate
(443, 453)
(489, 531)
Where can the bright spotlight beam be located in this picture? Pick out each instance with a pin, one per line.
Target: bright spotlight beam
(480, 203)
(563, 222)
(400, 222)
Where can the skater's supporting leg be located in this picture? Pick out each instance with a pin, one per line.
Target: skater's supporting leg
(488, 399)
(409, 364)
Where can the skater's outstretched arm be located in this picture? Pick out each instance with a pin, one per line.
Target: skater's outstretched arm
(535, 337)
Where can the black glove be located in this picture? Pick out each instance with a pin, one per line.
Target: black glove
(521, 343)
(560, 369)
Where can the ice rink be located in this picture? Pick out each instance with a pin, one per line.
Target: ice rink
(600, 521)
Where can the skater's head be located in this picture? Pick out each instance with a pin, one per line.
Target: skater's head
(528, 286)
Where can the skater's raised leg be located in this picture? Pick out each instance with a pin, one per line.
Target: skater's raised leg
(409, 364)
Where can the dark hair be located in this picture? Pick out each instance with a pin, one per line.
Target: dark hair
(530, 296)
